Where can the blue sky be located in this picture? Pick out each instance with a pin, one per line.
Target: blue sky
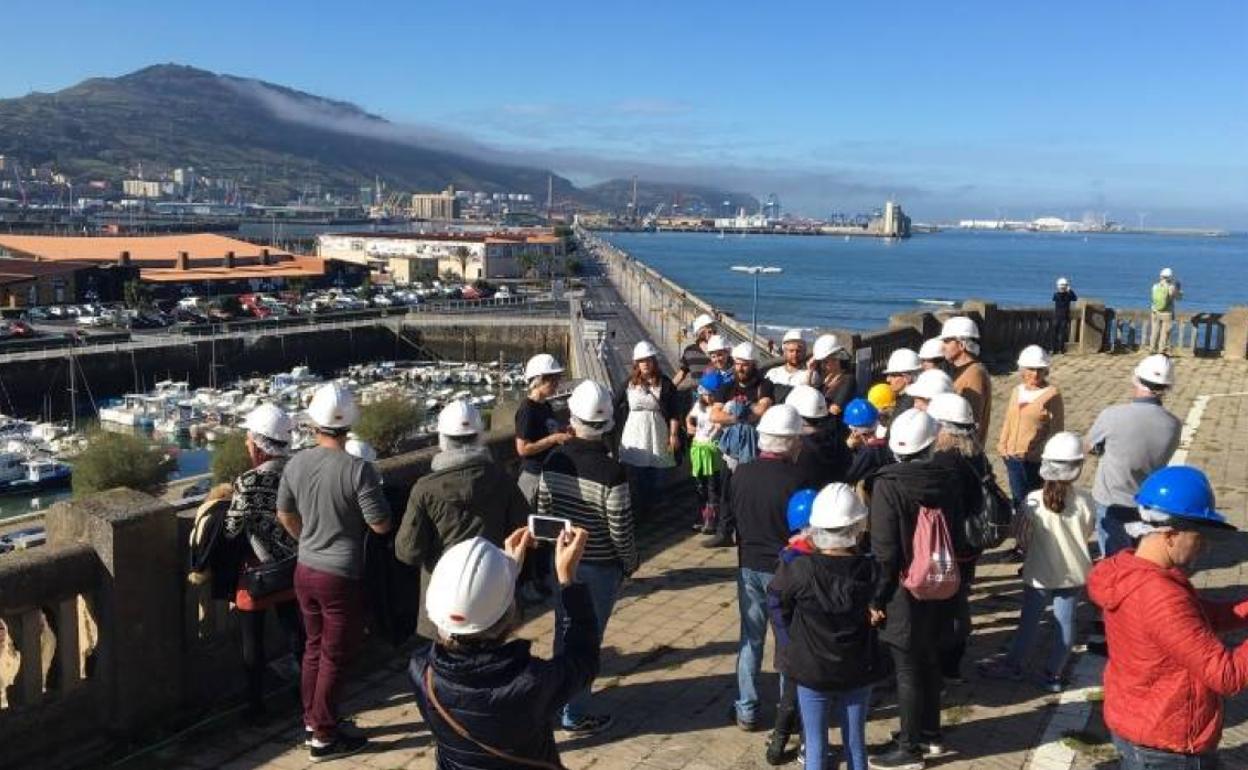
(957, 108)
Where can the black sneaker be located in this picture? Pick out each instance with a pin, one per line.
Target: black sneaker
(776, 744)
(588, 725)
(344, 727)
(897, 759)
(717, 541)
(340, 746)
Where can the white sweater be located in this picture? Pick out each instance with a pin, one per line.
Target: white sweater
(1057, 552)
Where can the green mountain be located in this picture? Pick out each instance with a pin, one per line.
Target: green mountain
(275, 142)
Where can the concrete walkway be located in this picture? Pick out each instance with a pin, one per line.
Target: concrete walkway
(668, 668)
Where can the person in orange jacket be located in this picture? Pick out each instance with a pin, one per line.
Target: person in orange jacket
(1168, 670)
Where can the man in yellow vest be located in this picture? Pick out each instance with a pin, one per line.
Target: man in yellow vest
(1164, 294)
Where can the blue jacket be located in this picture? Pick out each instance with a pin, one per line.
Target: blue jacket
(503, 696)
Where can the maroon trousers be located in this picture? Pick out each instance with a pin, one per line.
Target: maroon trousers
(332, 608)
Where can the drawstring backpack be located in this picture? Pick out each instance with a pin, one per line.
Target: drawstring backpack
(933, 572)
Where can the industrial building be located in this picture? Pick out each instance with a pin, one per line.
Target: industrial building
(468, 255)
(436, 206)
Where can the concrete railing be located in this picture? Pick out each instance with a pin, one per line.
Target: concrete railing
(584, 353)
(101, 636)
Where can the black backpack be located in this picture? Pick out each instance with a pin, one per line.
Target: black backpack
(989, 526)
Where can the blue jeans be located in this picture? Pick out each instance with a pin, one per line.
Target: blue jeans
(1023, 477)
(1136, 757)
(1065, 600)
(603, 582)
(851, 711)
(752, 602)
(1111, 534)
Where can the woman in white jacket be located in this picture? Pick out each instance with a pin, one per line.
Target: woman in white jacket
(1062, 520)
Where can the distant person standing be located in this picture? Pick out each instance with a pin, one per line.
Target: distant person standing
(695, 357)
(1035, 413)
(903, 368)
(328, 500)
(1165, 292)
(830, 373)
(1133, 440)
(792, 371)
(1063, 298)
(651, 432)
(960, 338)
(537, 430)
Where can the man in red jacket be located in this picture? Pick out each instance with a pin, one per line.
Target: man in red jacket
(1168, 671)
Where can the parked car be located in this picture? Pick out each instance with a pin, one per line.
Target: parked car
(188, 316)
(21, 329)
(37, 313)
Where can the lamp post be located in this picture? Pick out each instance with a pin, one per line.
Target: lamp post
(756, 271)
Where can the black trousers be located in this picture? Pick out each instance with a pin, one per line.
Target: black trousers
(956, 631)
(252, 626)
(787, 713)
(1061, 333)
(918, 693)
(727, 524)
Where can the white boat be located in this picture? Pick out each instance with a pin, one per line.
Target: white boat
(133, 410)
(19, 473)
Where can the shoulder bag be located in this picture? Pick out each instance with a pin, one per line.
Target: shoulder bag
(462, 732)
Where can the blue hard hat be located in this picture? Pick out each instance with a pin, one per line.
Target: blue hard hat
(798, 512)
(711, 380)
(860, 413)
(1184, 493)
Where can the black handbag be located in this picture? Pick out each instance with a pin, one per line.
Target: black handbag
(989, 526)
(268, 578)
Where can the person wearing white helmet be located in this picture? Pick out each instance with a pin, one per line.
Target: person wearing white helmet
(583, 483)
(830, 373)
(695, 357)
(792, 370)
(476, 687)
(1035, 412)
(758, 499)
(824, 456)
(927, 386)
(1133, 440)
(537, 430)
(252, 522)
(1162, 303)
(720, 354)
(960, 338)
(1061, 520)
(1063, 298)
(328, 500)
(822, 604)
(902, 369)
(932, 354)
(651, 433)
(465, 494)
(910, 628)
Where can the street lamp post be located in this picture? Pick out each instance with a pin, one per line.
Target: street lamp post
(756, 271)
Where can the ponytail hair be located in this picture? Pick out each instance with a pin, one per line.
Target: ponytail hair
(1055, 493)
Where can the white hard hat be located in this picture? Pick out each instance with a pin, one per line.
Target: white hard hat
(1034, 357)
(459, 418)
(903, 361)
(361, 449)
(716, 343)
(269, 421)
(929, 384)
(333, 407)
(793, 335)
(700, 322)
(827, 345)
(1062, 283)
(643, 350)
(1157, 369)
(1063, 447)
(471, 587)
(590, 402)
(1167, 272)
(809, 403)
(744, 351)
(932, 350)
(913, 431)
(836, 506)
(541, 365)
(780, 420)
(959, 328)
(950, 407)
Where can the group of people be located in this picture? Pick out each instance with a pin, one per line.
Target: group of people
(858, 523)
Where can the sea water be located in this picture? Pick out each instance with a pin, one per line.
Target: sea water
(832, 282)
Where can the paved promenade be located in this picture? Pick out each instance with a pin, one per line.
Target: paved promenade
(668, 667)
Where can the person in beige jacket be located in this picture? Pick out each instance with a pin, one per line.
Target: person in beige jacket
(959, 338)
(1034, 414)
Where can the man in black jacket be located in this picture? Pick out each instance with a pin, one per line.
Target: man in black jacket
(909, 627)
(488, 702)
(760, 496)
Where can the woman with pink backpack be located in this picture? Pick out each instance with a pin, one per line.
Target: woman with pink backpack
(914, 502)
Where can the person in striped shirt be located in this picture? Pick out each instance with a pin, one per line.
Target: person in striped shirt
(581, 482)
